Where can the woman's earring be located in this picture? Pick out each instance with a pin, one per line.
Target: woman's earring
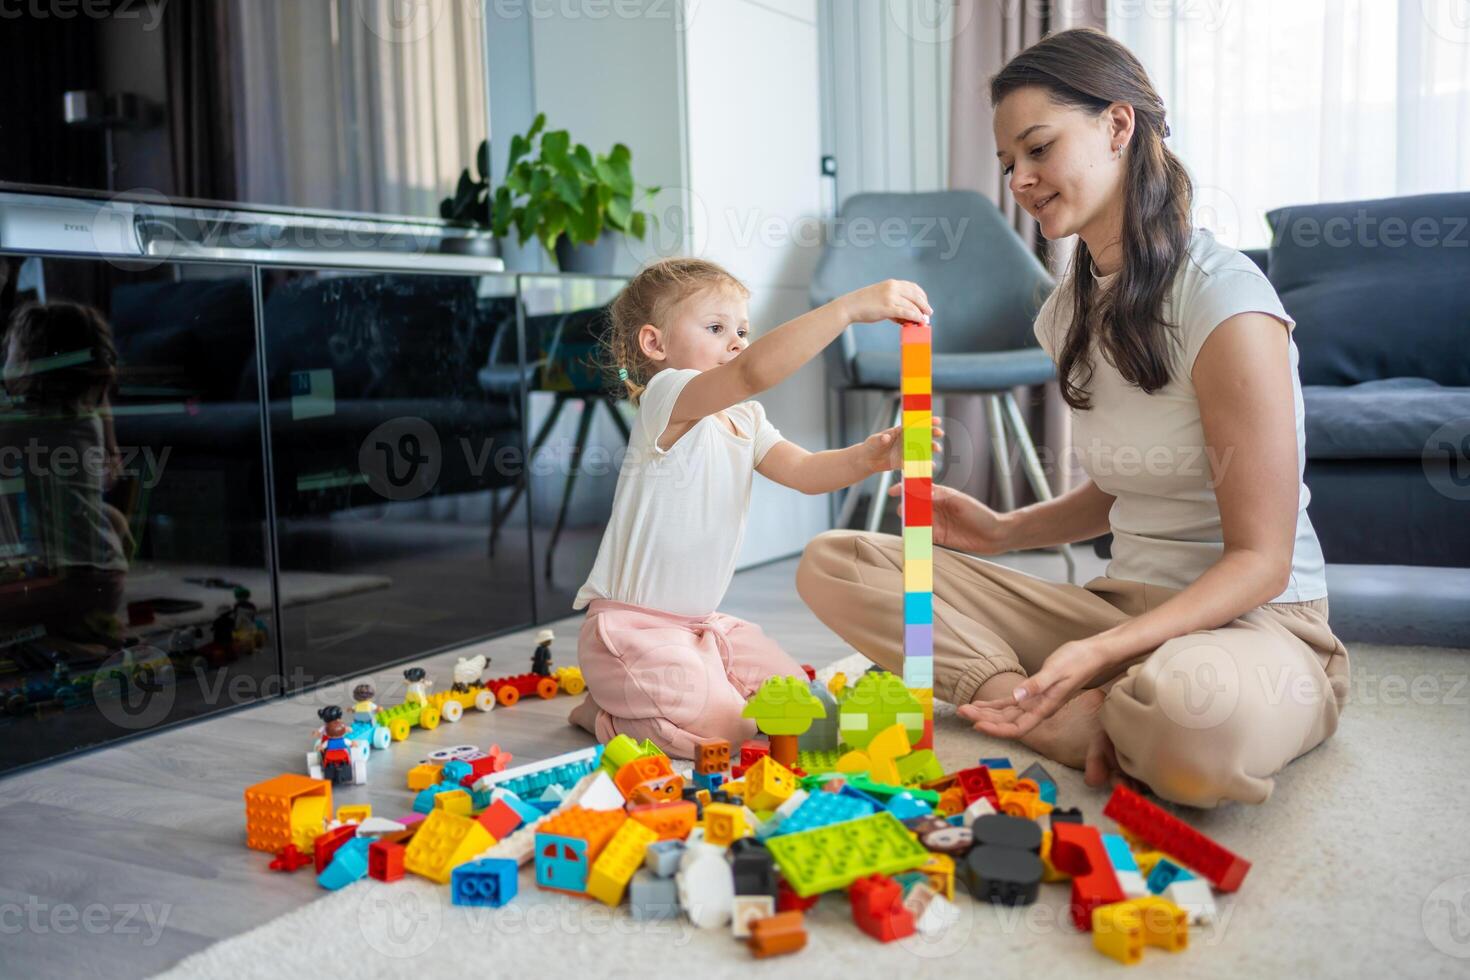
(1117, 152)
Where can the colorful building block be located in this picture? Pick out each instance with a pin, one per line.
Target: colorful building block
(706, 886)
(442, 843)
(777, 935)
(746, 910)
(488, 882)
(1167, 833)
(385, 860)
(1120, 856)
(878, 909)
(1122, 929)
(286, 810)
(652, 896)
(724, 823)
(876, 701)
(618, 861)
(1077, 850)
(569, 843)
(768, 784)
(834, 856)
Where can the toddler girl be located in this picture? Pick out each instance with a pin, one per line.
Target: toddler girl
(659, 660)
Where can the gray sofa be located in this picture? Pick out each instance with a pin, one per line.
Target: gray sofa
(1380, 291)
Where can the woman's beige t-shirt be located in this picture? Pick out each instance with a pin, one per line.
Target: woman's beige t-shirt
(1148, 450)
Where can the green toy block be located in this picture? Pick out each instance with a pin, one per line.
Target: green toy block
(918, 767)
(832, 857)
(884, 792)
(815, 761)
(878, 701)
(784, 706)
(622, 750)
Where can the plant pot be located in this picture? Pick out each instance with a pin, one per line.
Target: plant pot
(474, 243)
(595, 259)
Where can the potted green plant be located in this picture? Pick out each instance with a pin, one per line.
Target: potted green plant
(571, 201)
(470, 207)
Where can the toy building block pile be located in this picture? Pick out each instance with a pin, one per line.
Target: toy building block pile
(757, 834)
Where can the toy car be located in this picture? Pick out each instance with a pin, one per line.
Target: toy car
(570, 679)
(452, 703)
(508, 690)
(403, 718)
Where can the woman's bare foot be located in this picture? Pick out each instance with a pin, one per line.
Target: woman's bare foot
(1068, 734)
(1103, 768)
(584, 715)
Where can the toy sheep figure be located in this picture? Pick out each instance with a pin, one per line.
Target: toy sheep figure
(467, 672)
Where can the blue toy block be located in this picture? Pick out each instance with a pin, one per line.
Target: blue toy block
(662, 857)
(424, 801)
(821, 809)
(524, 810)
(349, 864)
(561, 862)
(1000, 762)
(454, 770)
(905, 806)
(709, 780)
(1048, 792)
(1164, 874)
(918, 608)
(488, 882)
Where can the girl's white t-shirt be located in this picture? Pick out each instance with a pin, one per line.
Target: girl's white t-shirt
(1148, 450)
(678, 515)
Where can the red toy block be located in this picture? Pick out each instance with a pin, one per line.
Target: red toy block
(975, 782)
(500, 818)
(788, 901)
(810, 671)
(914, 332)
(1077, 850)
(918, 502)
(385, 861)
(326, 845)
(290, 859)
(877, 908)
(918, 403)
(1167, 833)
(751, 750)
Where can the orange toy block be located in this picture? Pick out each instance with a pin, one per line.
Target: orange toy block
(268, 808)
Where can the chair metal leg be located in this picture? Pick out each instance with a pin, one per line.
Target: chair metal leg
(498, 515)
(584, 427)
(854, 493)
(1001, 451)
(885, 479)
(1035, 475)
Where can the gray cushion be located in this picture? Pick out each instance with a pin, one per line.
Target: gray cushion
(1390, 419)
(1379, 289)
(959, 372)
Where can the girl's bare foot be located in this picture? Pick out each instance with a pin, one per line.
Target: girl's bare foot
(1068, 734)
(584, 715)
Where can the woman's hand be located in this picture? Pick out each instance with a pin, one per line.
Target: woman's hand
(1037, 698)
(884, 450)
(963, 523)
(892, 299)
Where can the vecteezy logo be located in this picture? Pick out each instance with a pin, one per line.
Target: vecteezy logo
(401, 458)
(134, 689)
(1446, 459)
(1446, 917)
(400, 21)
(1197, 685)
(402, 921)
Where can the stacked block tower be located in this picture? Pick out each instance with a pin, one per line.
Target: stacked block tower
(916, 390)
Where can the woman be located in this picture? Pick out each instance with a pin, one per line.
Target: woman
(1202, 663)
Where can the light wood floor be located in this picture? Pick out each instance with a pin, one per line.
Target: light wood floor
(121, 862)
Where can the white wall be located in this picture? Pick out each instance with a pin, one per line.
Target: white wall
(754, 145)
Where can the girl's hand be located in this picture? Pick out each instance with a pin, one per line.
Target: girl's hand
(884, 450)
(1063, 674)
(892, 299)
(963, 523)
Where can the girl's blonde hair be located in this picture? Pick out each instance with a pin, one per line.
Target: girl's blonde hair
(649, 296)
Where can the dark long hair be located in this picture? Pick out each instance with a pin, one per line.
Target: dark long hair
(1085, 69)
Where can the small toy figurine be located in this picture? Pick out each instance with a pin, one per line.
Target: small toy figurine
(418, 685)
(467, 673)
(365, 708)
(335, 753)
(541, 659)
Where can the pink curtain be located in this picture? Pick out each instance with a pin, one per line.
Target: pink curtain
(990, 33)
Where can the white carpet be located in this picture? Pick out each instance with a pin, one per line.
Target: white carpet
(1361, 868)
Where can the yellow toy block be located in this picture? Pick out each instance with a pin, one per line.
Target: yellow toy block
(443, 842)
(570, 679)
(455, 801)
(1147, 859)
(912, 385)
(735, 787)
(939, 869)
(354, 813)
(1117, 931)
(622, 856)
(854, 761)
(724, 823)
(918, 575)
(423, 775)
(884, 752)
(308, 819)
(271, 817)
(918, 420)
(768, 784)
(918, 469)
(1004, 780)
(703, 796)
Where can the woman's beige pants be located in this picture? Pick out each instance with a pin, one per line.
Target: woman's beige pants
(1207, 717)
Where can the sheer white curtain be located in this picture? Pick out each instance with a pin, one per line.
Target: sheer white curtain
(345, 105)
(1274, 103)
